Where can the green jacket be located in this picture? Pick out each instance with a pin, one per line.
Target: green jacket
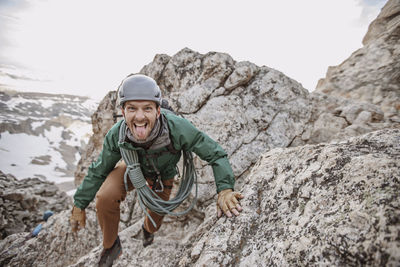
(184, 136)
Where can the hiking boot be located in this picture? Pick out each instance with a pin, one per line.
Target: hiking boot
(109, 255)
(147, 237)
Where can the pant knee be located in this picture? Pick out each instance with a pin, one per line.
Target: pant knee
(106, 201)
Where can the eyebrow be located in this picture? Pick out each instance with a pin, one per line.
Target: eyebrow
(132, 105)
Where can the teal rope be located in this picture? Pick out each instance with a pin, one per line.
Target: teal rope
(148, 199)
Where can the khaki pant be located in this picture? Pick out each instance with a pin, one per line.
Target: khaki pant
(108, 200)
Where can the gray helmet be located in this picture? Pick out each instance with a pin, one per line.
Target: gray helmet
(139, 87)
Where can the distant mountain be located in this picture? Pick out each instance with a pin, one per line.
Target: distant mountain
(42, 135)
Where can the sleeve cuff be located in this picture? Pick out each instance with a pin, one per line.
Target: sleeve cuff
(223, 187)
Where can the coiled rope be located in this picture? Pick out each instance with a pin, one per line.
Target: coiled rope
(147, 197)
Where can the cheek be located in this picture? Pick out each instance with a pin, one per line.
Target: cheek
(154, 118)
(128, 117)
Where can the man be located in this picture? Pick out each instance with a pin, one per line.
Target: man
(151, 132)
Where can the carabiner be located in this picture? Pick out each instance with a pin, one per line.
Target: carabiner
(158, 181)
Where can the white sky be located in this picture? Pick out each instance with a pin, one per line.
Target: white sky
(86, 47)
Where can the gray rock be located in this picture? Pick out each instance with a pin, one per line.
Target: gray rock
(352, 112)
(54, 246)
(372, 73)
(23, 203)
(327, 204)
(312, 205)
(331, 203)
(268, 111)
(326, 127)
(387, 21)
(242, 74)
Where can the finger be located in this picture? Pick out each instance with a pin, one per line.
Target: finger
(74, 226)
(234, 201)
(220, 204)
(231, 205)
(224, 207)
(234, 211)
(219, 212)
(238, 207)
(228, 214)
(238, 195)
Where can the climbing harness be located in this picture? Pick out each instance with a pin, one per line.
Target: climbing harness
(148, 197)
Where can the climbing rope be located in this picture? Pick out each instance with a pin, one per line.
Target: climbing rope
(147, 197)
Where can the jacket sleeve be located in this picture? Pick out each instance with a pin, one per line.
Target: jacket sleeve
(189, 138)
(99, 170)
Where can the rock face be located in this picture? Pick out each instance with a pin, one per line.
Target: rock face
(23, 202)
(333, 204)
(102, 121)
(54, 246)
(259, 108)
(372, 73)
(307, 202)
(387, 22)
(327, 204)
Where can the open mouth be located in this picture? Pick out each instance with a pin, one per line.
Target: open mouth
(140, 129)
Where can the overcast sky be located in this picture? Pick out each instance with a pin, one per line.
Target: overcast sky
(86, 47)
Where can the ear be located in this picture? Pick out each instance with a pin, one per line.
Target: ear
(123, 112)
(158, 112)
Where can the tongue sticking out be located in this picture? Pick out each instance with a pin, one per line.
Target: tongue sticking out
(141, 132)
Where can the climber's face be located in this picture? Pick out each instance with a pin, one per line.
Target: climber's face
(141, 116)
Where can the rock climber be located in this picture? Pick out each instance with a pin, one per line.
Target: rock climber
(150, 130)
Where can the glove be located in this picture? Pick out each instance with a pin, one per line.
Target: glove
(77, 219)
(228, 201)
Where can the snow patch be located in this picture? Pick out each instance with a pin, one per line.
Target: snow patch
(46, 103)
(37, 124)
(54, 136)
(81, 130)
(77, 157)
(18, 150)
(90, 104)
(71, 192)
(15, 101)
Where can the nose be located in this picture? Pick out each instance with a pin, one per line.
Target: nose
(140, 115)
